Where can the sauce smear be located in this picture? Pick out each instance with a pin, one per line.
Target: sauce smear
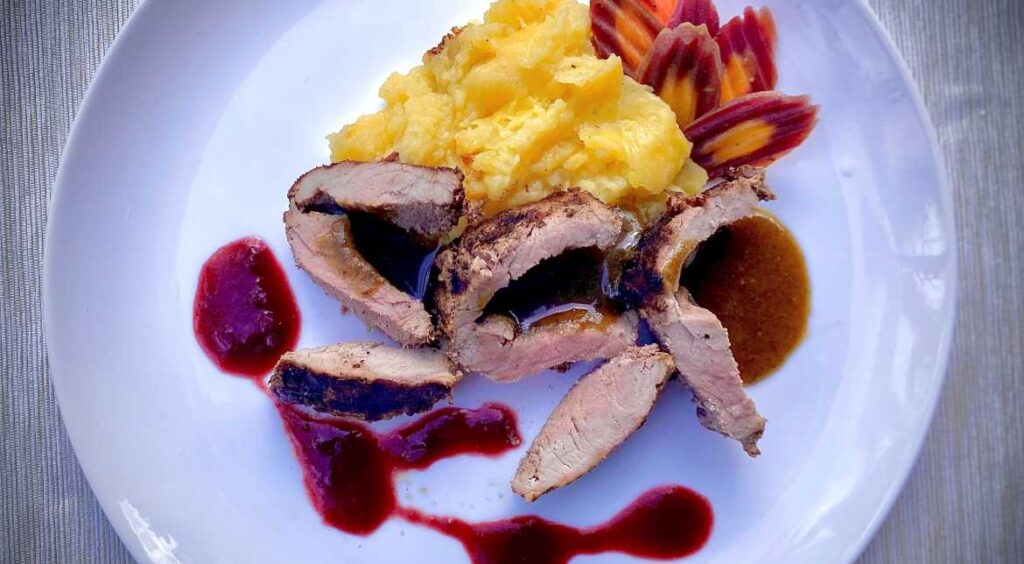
(666, 522)
(349, 470)
(244, 314)
(349, 473)
(753, 276)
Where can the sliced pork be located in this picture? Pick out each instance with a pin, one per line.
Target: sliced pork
(694, 336)
(403, 213)
(368, 381)
(492, 254)
(323, 246)
(497, 348)
(425, 201)
(600, 412)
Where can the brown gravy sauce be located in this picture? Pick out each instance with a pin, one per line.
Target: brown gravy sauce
(753, 276)
(393, 252)
(580, 285)
(567, 287)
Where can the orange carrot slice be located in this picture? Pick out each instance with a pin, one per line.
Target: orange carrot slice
(685, 70)
(626, 28)
(754, 129)
(662, 9)
(696, 12)
(747, 44)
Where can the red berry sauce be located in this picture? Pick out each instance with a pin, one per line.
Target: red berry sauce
(244, 314)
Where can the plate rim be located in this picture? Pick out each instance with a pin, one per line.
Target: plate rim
(897, 485)
(894, 486)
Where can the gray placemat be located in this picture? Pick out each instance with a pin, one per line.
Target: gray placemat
(965, 499)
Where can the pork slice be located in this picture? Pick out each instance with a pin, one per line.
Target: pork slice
(666, 246)
(425, 201)
(493, 253)
(495, 349)
(698, 342)
(368, 381)
(597, 415)
(323, 247)
(700, 346)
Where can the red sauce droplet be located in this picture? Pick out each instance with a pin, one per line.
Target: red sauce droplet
(666, 522)
(244, 314)
(349, 470)
(349, 473)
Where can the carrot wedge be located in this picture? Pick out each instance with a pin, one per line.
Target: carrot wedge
(685, 70)
(626, 28)
(747, 44)
(754, 129)
(696, 12)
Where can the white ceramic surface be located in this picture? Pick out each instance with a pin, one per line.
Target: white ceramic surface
(202, 115)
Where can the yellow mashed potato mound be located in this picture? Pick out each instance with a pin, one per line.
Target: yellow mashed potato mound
(521, 104)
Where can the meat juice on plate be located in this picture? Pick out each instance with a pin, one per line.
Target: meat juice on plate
(395, 254)
(578, 284)
(559, 288)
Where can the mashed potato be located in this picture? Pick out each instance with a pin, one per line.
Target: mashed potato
(523, 107)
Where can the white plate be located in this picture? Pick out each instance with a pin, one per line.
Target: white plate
(202, 115)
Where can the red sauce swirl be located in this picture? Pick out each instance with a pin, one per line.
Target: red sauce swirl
(349, 474)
